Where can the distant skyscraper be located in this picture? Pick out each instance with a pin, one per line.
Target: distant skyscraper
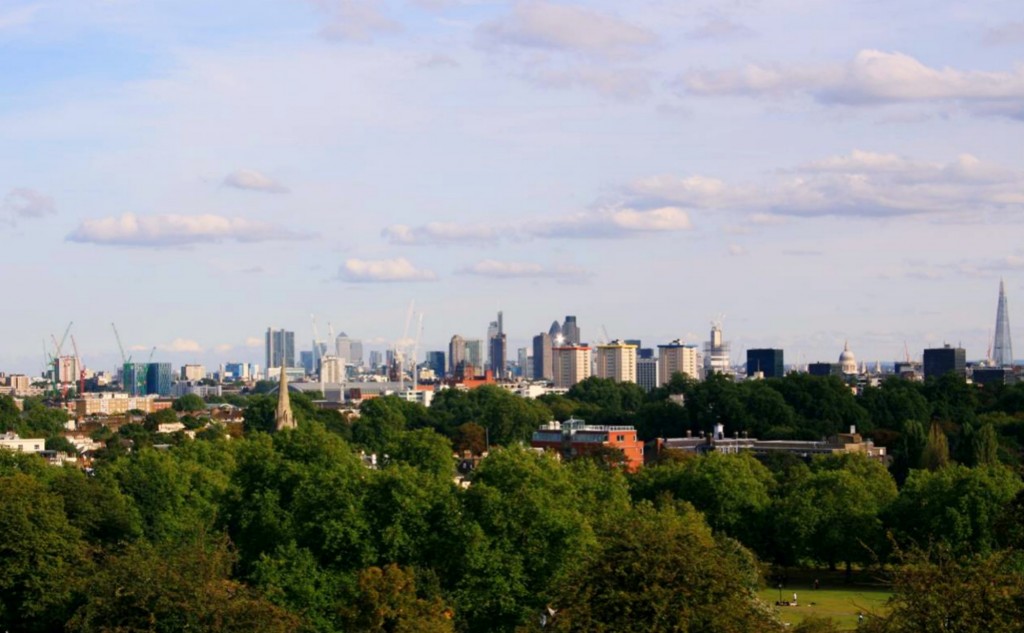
(159, 377)
(308, 361)
(435, 361)
(1002, 347)
(497, 347)
(475, 352)
(647, 372)
(767, 361)
(332, 370)
(555, 330)
(347, 349)
(542, 357)
(523, 361)
(570, 331)
(456, 353)
(280, 346)
(498, 354)
(376, 359)
(617, 361)
(942, 360)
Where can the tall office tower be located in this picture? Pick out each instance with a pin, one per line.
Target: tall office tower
(343, 348)
(456, 353)
(571, 364)
(435, 361)
(542, 357)
(570, 331)
(1002, 347)
(308, 361)
(376, 359)
(647, 372)
(475, 352)
(332, 370)
(555, 330)
(617, 361)
(499, 358)
(356, 346)
(644, 352)
(942, 360)
(676, 358)
(280, 348)
(523, 361)
(716, 352)
(767, 361)
(159, 377)
(133, 378)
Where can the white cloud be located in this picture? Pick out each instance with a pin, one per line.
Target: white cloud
(254, 341)
(358, 20)
(613, 223)
(223, 348)
(253, 180)
(545, 25)
(21, 203)
(181, 345)
(440, 233)
(383, 270)
(860, 183)
(176, 230)
(872, 78)
(522, 270)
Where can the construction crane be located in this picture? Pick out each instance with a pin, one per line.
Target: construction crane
(124, 359)
(402, 346)
(81, 367)
(318, 356)
(57, 347)
(151, 352)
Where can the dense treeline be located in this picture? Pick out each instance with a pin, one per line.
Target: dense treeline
(293, 531)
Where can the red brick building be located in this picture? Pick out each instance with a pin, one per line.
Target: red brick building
(575, 437)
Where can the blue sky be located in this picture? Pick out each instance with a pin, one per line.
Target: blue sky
(813, 170)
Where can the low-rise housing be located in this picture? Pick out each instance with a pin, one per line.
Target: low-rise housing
(573, 438)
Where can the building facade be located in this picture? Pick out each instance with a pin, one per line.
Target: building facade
(574, 438)
(677, 358)
(943, 360)
(617, 361)
(647, 373)
(280, 348)
(768, 362)
(543, 360)
(570, 365)
(456, 353)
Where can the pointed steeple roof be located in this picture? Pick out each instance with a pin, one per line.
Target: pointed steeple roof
(283, 418)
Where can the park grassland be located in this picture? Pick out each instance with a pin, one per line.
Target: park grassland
(841, 605)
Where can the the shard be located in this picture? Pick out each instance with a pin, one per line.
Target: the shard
(1002, 347)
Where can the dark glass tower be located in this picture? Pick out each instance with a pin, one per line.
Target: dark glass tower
(1002, 347)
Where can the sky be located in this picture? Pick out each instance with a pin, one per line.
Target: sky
(808, 172)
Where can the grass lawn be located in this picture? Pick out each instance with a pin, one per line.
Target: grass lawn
(842, 605)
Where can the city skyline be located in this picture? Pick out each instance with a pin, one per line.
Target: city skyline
(197, 173)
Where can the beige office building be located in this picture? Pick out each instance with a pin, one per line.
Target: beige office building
(571, 364)
(617, 361)
(676, 358)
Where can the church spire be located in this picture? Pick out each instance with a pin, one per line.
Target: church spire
(283, 419)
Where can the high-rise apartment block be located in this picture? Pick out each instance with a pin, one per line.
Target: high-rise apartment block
(617, 361)
(570, 364)
(474, 352)
(768, 362)
(676, 358)
(280, 348)
(332, 370)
